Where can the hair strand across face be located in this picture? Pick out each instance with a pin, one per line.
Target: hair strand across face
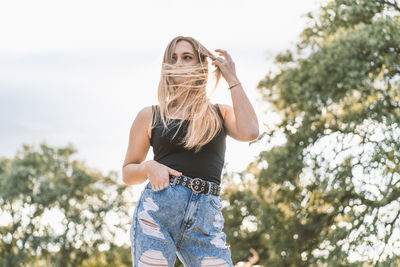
(190, 96)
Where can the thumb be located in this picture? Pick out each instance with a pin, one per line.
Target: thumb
(174, 172)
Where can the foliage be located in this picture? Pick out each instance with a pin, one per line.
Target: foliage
(59, 211)
(328, 196)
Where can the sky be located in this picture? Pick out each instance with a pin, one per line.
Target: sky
(79, 71)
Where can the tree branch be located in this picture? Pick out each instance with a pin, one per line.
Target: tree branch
(394, 4)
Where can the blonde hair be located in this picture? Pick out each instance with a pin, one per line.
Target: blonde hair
(204, 121)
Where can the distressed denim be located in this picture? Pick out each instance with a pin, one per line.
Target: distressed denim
(174, 220)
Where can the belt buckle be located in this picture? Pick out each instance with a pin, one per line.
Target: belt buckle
(191, 185)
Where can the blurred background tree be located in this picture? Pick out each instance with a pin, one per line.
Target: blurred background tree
(330, 194)
(60, 212)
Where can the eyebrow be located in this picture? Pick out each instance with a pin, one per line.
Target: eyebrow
(184, 53)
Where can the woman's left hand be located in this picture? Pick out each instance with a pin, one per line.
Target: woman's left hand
(226, 65)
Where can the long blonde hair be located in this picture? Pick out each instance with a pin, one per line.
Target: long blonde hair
(204, 121)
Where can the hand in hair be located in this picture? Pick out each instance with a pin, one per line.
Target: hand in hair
(226, 65)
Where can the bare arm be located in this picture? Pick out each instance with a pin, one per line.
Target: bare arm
(134, 173)
(246, 118)
(134, 169)
(241, 120)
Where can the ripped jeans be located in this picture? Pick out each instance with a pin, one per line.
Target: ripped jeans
(174, 220)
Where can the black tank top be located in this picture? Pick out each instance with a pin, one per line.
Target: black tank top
(206, 164)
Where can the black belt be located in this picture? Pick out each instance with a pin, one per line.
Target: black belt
(197, 185)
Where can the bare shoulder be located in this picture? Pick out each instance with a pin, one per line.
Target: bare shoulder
(145, 113)
(230, 122)
(223, 108)
(145, 116)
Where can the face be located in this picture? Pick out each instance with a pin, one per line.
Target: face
(183, 55)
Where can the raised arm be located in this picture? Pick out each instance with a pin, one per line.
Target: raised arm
(241, 119)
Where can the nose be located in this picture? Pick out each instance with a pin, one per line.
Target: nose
(178, 62)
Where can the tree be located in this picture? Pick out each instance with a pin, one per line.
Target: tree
(331, 193)
(59, 211)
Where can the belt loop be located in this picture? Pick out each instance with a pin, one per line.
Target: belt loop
(175, 180)
(209, 188)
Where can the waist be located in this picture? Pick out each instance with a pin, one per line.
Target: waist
(196, 184)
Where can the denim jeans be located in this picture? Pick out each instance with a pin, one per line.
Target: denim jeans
(174, 220)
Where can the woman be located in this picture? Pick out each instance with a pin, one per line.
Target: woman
(179, 211)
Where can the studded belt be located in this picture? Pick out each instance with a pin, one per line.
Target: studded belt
(197, 185)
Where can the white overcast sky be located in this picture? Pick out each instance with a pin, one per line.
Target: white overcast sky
(79, 71)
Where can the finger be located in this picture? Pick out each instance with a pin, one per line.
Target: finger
(174, 172)
(218, 61)
(225, 53)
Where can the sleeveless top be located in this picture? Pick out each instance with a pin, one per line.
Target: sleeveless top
(206, 164)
